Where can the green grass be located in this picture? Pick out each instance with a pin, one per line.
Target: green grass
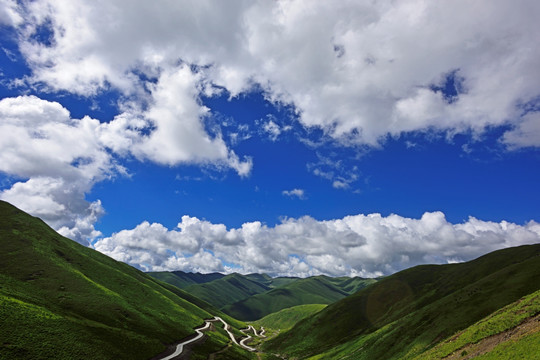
(502, 320)
(313, 290)
(218, 341)
(62, 300)
(527, 347)
(182, 279)
(409, 312)
(227, 290)
(287, 318)
(252, 296)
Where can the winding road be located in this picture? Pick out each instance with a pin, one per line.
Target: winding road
(180, 347)
(199, 331)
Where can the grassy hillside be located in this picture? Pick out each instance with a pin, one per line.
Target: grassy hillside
(313, 290)
(508, 332)
(287, 318)
(227, 290)
(252, 296)
(405, 314)
(61, 300)
(182, 279)
(282, 281)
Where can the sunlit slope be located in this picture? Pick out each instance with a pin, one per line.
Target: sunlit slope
(61, 300)
(407, 313)
(313, 290)
(287, 318)
(512, 332)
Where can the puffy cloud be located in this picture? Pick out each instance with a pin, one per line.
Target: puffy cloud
(62, 158)
(178, 134)
(8, 13)
(525, 134)
(39, 138)
(299, 193)
(359, 245)
(359, 70)
(57, 159)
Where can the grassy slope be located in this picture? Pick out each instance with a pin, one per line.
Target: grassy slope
(286, 318)
(182, 279)
(408, 312)
(227, 290)
(313, 290)
(500, 322)
(62, 300)
(282, 281)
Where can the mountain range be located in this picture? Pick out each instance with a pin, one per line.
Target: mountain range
(61, 300)
(253, 296)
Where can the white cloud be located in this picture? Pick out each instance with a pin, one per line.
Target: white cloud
(526, 133)
(359, 245)
(62, 158)
(334, 169)
(299, 193)
(58, 159)
(355, 68)
(9, 14)
(272, 129)
(179, 135)
(359, 70)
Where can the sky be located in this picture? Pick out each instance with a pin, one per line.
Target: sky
(294, 138)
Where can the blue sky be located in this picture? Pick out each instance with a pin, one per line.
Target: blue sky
(293, 138)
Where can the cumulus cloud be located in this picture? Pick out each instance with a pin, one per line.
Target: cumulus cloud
(359, 245)
(299, 193)
(525, 134)
(178, 135)
(61, 158)
(57, 159)
(358, 70)
(8, 13)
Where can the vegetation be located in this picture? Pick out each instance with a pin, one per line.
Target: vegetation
(182, 279)
(250, 297)
(287, 318)
(405, 314)
(313, 290)
(61, 300)
(512, 317)
(227, 290)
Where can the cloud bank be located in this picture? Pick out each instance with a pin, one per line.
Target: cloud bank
(359, 245)
(56, 160)
(359, 70)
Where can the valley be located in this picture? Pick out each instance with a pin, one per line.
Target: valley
(61, 300)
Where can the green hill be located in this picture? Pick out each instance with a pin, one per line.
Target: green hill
(313, 290)
(227, 290)
(282, 281)
(286, 318)
(61, 300)
(182, 279)
(512, 332)
(405, 314)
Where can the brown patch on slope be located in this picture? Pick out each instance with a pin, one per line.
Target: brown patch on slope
(529, 326)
